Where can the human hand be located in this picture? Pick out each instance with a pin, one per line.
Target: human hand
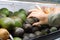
(39, 13)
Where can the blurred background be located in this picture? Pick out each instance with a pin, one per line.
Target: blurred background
(52, 1)
(41, 0)
(44, 1)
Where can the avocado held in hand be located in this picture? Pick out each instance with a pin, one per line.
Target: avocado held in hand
(4, 34)
(31, 20)
(6, 22)
(4, 11)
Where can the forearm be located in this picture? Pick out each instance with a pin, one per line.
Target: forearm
(54, 19)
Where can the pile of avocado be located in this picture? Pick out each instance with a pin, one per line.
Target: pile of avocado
(12, 21)
(20, 27)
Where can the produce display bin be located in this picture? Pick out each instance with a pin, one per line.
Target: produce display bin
(15, 5)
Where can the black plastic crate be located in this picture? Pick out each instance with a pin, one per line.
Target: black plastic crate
(51, 36)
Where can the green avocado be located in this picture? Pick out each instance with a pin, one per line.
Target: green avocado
(16, 13)
(17, 38)
(53, 29)
(6, 22)
(4, 11)
(18, 21)
(23, 11)
(20, 14)
(10, 14)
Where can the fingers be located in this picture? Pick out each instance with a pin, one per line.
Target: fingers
(38, 23)
(33, 10)
(31, 15)
(38, 7)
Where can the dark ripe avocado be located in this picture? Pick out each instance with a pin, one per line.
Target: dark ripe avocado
(53, 29)
(18, 21)
(17, 38)
(4, 11)
(45, 26)
(31, 35)
(27, 28)
(6, 22)
(47, 30)
(34, 29)
(19, 32)
(26, 34)
(31, 20)
(38, 33)
(35, 19)
(4, 34)
(26, 37)
(44, 32)
(58, 27)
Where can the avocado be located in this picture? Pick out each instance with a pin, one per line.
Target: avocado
(23, 11)
(19, 32)
(26, 37)
(29, 21)
(38, 26)
(44, 32)
(17, 38)
(31, 35)
(53, 29)
(18, 21)
(6, 22)
(27, 28)
(20, 14)
(47, 30)
(16, 13)
(10, 14)
(4, 11)
(34, 29)
(38, 33)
